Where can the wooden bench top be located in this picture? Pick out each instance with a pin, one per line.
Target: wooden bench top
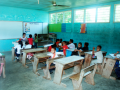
(77, 76)
(110, 57)
(34, 50)
(42, 55)
(90, 52)
(67, 60)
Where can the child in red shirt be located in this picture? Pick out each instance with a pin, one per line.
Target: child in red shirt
(30, 40)
(64, 47)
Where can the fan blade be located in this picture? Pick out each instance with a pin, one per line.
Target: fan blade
(38, 1)
(63, 5)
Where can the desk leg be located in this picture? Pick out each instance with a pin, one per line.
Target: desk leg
(46, 71)
(108, 68)
(35, 65)
(88, 59)
(4, 70)
(58, 73)
(78, 68)
(13, 54)
(24, 60)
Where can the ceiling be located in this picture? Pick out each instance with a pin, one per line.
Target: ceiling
(46, 5)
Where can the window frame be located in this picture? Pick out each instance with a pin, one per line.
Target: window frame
(63, 16)
(83, 17)
(50, 18)
(97, 13)
(114, 14)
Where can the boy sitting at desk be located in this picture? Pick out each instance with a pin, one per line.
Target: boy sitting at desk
(71, 45)
(98, 54)
(79, 48)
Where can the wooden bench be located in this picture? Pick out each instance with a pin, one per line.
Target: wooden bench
(38, 50)
(88, 73)
(46, 68)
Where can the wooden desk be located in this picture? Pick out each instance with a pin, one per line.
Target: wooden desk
(39, 58)
(60, 63)
(2, 60)
(42, 57)
(88, 58)
(108, 65)
(37, 50)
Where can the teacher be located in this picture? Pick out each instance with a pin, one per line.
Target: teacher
(24, 38)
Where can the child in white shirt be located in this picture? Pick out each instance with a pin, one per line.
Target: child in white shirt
(53, 55)
(27, 45)
(71, 45)
(98, 54)
(17, 49)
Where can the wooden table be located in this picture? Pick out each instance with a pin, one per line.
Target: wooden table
(41, 57)
(37, 50)
(88, 58)
(60, 64)
(2, 60)
(108, 65)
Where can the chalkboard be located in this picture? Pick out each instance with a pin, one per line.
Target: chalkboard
(10, 29)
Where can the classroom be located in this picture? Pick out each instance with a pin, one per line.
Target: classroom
(59, 45)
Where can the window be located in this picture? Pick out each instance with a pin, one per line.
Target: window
(60, 17)
(117, 13)
(53, 18)
(90, 15)
(67, 17)
(103, 14)
(79, 16)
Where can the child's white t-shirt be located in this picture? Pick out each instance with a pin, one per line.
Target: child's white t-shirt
(18, 47)
(28, 46)
(99, 56)
(56, 55)
(71, 46)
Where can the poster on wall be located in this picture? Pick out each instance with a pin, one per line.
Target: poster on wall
(83, 28)
(32, 28)
(27, 28)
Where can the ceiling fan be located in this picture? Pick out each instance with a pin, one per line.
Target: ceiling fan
(54, 4)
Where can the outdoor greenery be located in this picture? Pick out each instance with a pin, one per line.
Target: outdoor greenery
(102, 14)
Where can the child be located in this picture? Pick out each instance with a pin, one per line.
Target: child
(71, 45)
(36, 41)
(79, 48)
(30, 40)
(18, 48)
(50, 47)
(64, 47)
(27, 45)
(53, 55)
(57, 42)
(98, 54)
(53, 52)
(85, 48)
(117, 62)
(24, 38)
(117, 70)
